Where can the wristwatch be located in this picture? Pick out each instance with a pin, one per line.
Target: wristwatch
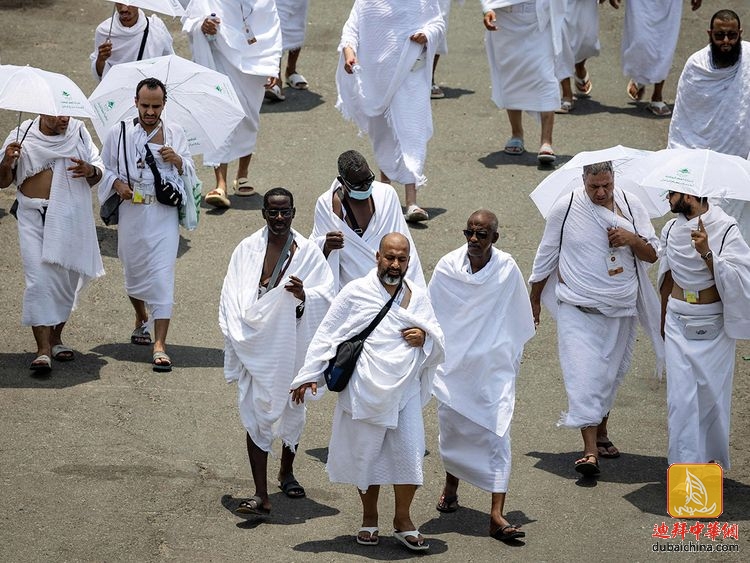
(708, 255)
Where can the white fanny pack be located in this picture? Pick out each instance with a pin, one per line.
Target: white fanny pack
(705, 327)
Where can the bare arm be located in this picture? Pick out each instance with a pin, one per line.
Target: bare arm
(536, 299)
(665, 291)
(10, 157)
(642, 249)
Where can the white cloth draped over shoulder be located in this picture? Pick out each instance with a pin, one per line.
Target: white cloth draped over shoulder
(382, 381)
(147, 234)
(731, 261)
(70, 239)
(529, 36)
(247, 66)
(486, 319)
(387, 86)
(710, 112)
(293, 19)
(357, 257)
(126, 41)
(445, 12)
(712, 105)
(264, 342)
(649, 39)
(580, 36)
(581, 259)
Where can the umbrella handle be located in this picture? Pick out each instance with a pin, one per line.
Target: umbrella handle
(18, 129)
(111, 21)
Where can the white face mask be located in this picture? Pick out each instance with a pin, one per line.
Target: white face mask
(354, 194)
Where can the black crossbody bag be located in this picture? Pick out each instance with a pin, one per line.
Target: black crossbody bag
(341, 367)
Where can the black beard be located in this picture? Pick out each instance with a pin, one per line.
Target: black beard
(724, 59)
(681, 207)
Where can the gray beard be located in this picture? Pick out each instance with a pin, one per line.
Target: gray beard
(388, 279)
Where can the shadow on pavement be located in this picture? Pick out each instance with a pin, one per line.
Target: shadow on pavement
(469, 522)
(296, 101)
(432, 212)
(387, 550)
(628, 468)
(184, 356)
(500, 158)
(284, 511)
(451, 93)
(651, 498)
(321, 454)
(83, 369)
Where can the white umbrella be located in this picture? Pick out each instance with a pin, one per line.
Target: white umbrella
(699, 172)
(569, 176)
(168, 7)
(201, 100)
(32, 90)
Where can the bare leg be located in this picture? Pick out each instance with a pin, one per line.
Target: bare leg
(548, 120)
(602, 436)
(383, 178)
(221, 176)
(515, 117)
(141, 315)
(291, 61)
(567, 90)
(402, 522)
(449, 498)
(497, 520)
(411, 194)
(369, 508)
(243, 166)
(657, 96)
(434, 67)
(42, 337)
(258, 466)
(161, 326)
(55, 336)
(589, 440)
(581, 69)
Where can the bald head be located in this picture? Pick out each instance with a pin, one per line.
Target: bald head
(394, 240)
(392, 258)
(485, 216)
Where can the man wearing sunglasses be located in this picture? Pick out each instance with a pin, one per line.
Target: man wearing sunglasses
(713, 100)
(591, 265)
(475, 386)
(351, 218)
(703, 267)
(277, 289)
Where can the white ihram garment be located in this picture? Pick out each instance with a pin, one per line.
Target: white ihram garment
(293, 20)
(247, 65)
(700, 372)
(357, 257)
(378, 434)
(475, 386)
(60, 252)
(264, 342)
(580, 36)
(649, 39)
(521, 53)
(595, 349)
(389, 97)
(147, 234)
(126, 41)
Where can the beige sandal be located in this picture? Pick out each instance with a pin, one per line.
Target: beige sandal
(218, 198)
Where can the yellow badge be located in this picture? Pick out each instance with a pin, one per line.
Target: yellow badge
(695, 490)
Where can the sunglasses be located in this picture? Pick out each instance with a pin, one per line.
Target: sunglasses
(284, 213)
(361, 187)
(720, 35)
(481, 235)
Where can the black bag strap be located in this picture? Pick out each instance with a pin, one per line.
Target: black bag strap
(143, 42)
(382, 313)
(349, 213)
(152, 165)
(724, 238)
(277, 268)
(562, 227)
(121, 143)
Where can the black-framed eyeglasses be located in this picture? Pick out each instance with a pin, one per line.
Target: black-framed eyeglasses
(720, 35)
(481, 235)
(284, 213)
(363, 186)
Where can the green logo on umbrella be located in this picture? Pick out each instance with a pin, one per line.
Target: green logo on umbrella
(684, 171)
(66, 94)
(110, 104)
(218, 88)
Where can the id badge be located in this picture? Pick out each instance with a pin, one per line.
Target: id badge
(138, 194)
(691, 295)
(249, 35)
(614, 264)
